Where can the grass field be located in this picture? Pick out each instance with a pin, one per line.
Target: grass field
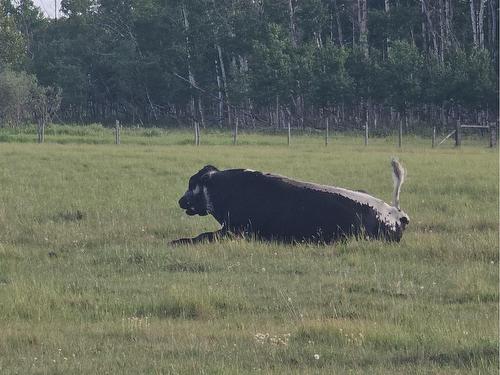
(88, 284)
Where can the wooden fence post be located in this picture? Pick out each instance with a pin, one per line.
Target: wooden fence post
(196, 133)
(433, 137)
(117, 132)
(458, 134)
(289, 131)
(400, 132)
(493, 134)
(366, 128)
(195, 126)
(327, 131)
(235, 132)
(40, 130)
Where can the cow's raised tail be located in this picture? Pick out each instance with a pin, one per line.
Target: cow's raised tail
(398, 176)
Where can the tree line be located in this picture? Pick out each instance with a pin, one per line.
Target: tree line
(262, 63)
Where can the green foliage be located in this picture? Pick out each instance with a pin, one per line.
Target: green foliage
(471, 80)
(12, 43)
(363, 72)
(271, 66)
(117, 59)
(403, 72)
(77, 8)
(23, 100)
(16, 97)
(331, 81)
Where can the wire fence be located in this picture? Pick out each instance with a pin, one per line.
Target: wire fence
(328, 135)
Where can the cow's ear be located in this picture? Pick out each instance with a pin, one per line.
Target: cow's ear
(205, 179)
(206, 172)
(209, 168)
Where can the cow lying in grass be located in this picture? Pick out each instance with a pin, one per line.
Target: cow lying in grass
(273, 207)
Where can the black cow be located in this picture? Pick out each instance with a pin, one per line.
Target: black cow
(273, 207)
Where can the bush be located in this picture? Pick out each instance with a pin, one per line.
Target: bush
(16, 90)
(22, 100)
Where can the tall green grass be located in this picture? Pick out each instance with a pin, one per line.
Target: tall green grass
(89, 285)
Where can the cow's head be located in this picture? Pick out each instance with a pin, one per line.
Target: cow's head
(196, 200)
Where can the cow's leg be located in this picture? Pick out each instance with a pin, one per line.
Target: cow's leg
(204, 237)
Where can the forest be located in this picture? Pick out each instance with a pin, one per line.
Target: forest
(260, 63)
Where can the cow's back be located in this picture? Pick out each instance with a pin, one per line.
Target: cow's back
(275, 206)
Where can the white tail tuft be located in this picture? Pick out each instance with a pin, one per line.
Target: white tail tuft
(398, 176)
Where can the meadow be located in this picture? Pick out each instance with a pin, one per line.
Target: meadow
(89, 284)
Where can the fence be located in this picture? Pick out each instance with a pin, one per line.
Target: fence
(491, 127)
(457, 133)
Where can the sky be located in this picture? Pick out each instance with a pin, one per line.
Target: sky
(47, 6)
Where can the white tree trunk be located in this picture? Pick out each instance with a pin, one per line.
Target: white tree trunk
(447, 19)
(387, 8)
(473, 18)
(477, 21)
(293, 29)
(339, 25)
(480, 23)
(220, 104)
(424, 29)
(192, 81)
(224, 81)
(363, 26)
(426, 11)
(493, 27)
(442, 36)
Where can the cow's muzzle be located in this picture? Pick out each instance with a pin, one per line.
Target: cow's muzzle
(185, 204)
